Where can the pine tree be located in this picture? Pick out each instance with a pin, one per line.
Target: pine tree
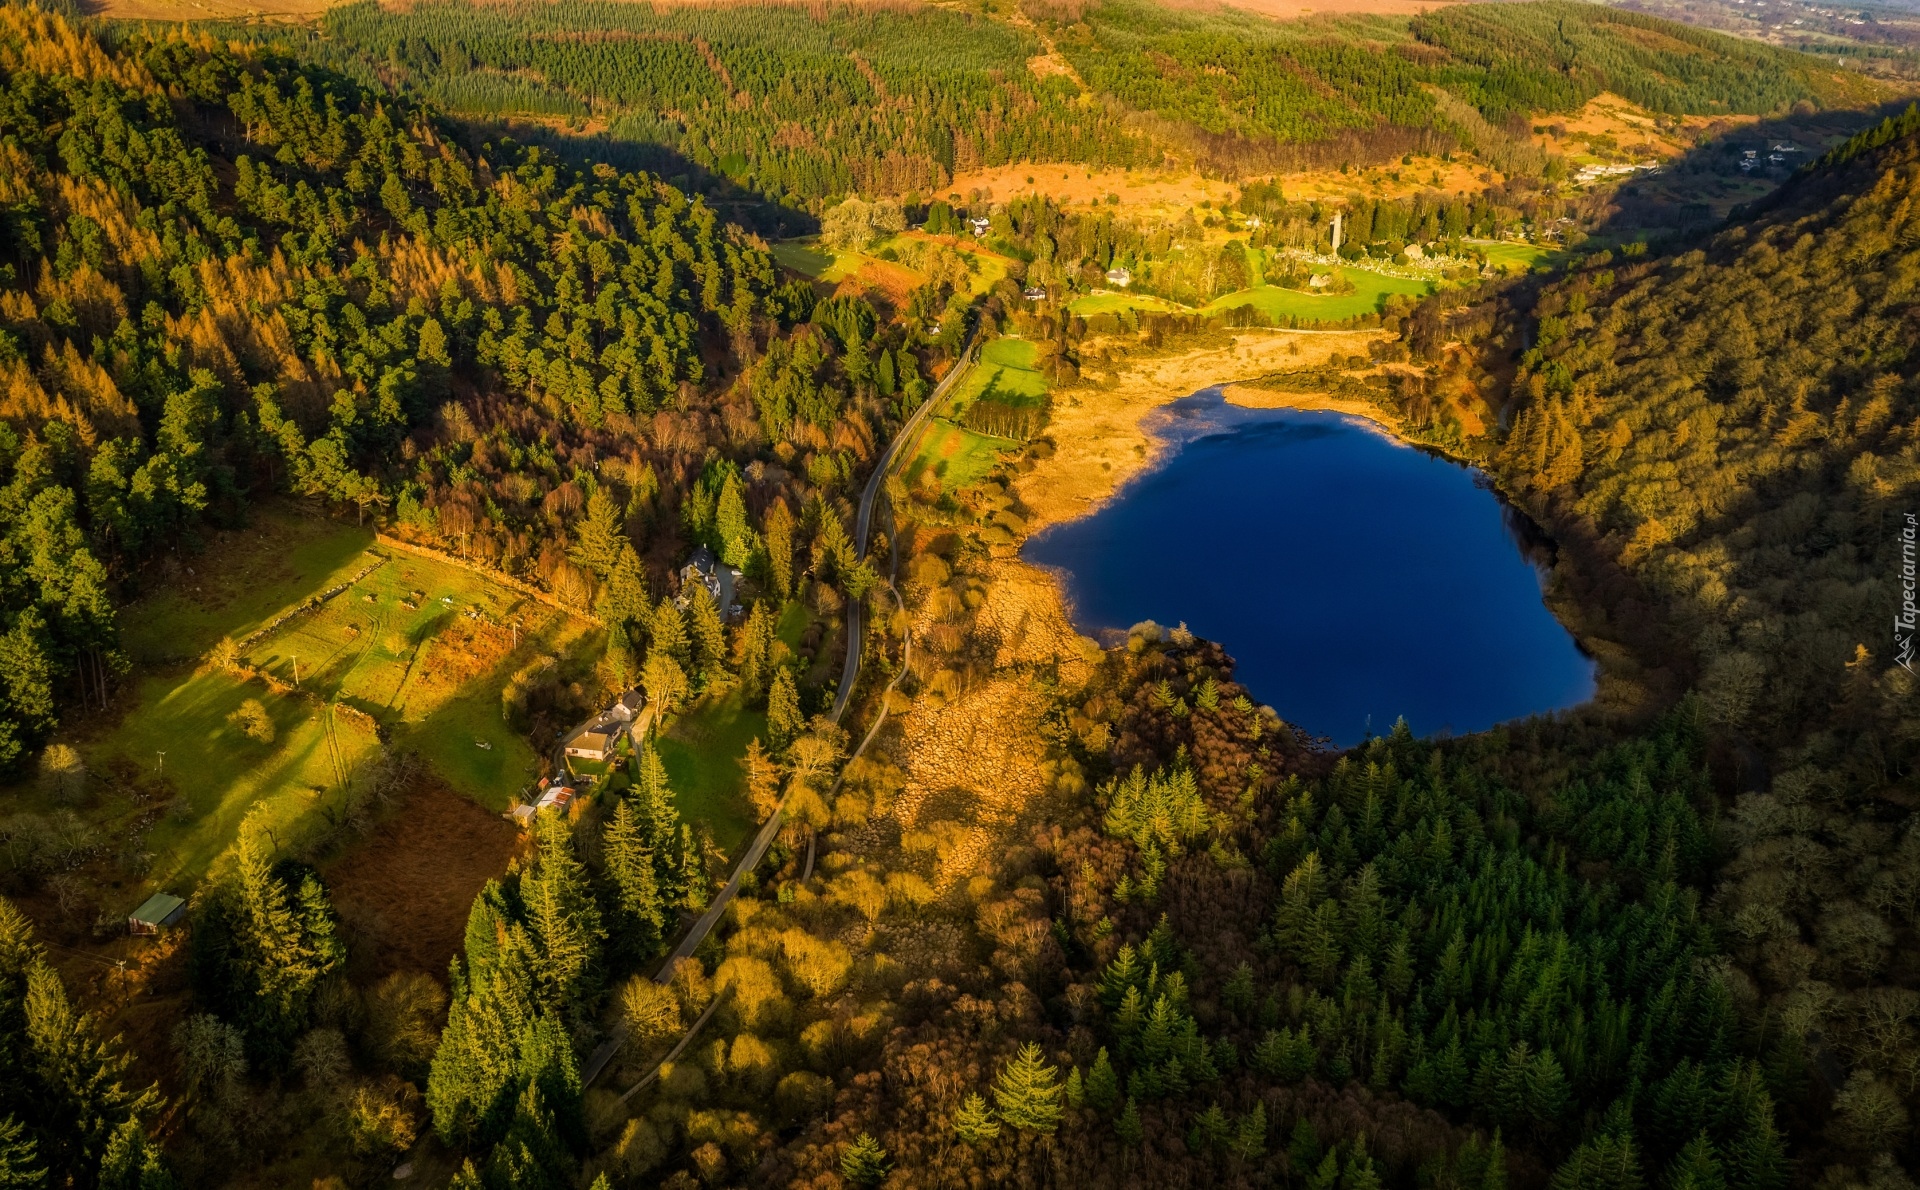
(598, 537)
(1028, 1092)
(1210, 1131)
(623, 597)
(664, 681)
(1608, 1162)
(1303, 1147)
(639, 916)
(1076, 1090)
(74, 1078)
(260, 952)
(709, 636)
(1326, 1175)
(784, 723)
(1359, 1173)
(763, 779)
(1756, 1155)
(1697, 1167)
(865, 1163)
(1250, 1135)
(779, 523)
(564, 923)
(693, 884)
(756, 640)
(668, 630)
(132, 1162)
(1238, 991)
(737, 544)
(531, 1156)
(1103, 1085)
(974, 1122)
(20, 1169)
(1128, 1125)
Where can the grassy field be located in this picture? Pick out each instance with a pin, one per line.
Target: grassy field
(1005, 373)
(703, 750)
(955, 455)
(1116, 303)
(217, 774)
(425, 647)
(245, 580)
(1370, 292)
(835, 266)
(1514, 258)
(420, 647)
(1371, 289)
(845, 269)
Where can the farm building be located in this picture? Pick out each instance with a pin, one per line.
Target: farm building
(1119, 276)
(156, 913)
(556, 796)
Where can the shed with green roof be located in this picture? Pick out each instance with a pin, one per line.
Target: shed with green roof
(156, 913)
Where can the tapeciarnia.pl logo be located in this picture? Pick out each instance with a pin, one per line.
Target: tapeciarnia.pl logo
(1905, 622)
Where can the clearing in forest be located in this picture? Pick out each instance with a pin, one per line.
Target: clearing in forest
(848, 271)
(704, 750)
(386, 641)
(426, 647)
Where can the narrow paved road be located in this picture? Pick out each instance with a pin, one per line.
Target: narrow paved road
(863, 521)
(757, 849)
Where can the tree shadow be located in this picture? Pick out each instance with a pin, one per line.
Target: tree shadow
(1729, 176)
(584, 150)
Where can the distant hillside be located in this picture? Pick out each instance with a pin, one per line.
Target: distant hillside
(803, 104)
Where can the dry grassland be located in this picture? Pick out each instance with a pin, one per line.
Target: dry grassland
(980, 753)
(1138, 190)
(1631, 129)
(206, 10)
(1289, 10)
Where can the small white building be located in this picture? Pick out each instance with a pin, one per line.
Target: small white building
(1119, 276)
(1034, 293)
(979, 225)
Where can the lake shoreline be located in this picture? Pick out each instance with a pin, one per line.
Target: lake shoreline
(1103, 442)
(1355, 578)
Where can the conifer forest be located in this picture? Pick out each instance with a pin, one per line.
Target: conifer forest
(518, 669)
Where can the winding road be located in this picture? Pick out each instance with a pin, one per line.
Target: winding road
(849, 672)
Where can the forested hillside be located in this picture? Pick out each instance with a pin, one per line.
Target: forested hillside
(232, 277)
(1080, 917)
(802, 106)
(277, 280)
(1737, 425)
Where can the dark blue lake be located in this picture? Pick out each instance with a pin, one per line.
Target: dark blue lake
(1354, 579)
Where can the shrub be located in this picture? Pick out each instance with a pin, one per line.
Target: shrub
(63, 775)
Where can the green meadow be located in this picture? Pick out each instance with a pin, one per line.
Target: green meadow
(415, 648)
(704, 749)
